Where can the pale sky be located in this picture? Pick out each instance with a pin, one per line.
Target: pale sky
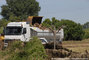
(76, 10)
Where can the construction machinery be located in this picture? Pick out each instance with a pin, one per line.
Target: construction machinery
(1, 41)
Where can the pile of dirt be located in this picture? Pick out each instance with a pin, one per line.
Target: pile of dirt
(57, 53)
(79, 55)
(61, 52)
(51, 45)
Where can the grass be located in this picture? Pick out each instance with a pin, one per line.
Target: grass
(78, 46)
(80, 49)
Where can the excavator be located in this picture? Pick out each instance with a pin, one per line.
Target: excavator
(1, 41)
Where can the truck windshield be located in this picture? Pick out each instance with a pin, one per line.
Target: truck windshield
(13, 30)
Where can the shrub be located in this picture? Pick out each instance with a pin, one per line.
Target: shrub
(32, 50)
(86, 35)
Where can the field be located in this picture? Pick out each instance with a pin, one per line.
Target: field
(78, 46)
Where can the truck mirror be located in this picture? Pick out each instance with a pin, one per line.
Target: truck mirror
(24, 30)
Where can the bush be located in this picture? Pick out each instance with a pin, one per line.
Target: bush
(35, 49)
(73, 31)
(32, 50)
(1, 30)
(86, 35)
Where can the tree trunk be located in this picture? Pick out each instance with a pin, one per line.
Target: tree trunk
(54, 40)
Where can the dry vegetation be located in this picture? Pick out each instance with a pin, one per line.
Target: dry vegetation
(78, 46)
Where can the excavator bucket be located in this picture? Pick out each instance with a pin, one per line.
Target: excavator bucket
(34, 19)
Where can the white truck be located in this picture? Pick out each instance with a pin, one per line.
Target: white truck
(23, 31)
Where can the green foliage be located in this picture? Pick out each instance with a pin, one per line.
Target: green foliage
(20, 9)
(55, 22)
(49, 23)
(86, 25)
(3, 22)
(36, 50)
(46, 23)
(32, 50)
(73, 31)
(86, 35)
(1, 30)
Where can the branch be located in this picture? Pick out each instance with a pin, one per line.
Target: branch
(59, 29)
(51, 29)
(63, 26)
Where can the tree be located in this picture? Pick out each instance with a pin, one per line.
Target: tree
(3, 22)
(55, 22)
(51, 25)
(20, 9)
(86, 25)
(73, 31)
(47, 23)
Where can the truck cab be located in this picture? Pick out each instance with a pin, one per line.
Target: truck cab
(17, 31)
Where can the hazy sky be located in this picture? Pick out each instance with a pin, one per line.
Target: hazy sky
(76, 10)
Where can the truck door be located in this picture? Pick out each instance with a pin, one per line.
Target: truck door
(24, 34)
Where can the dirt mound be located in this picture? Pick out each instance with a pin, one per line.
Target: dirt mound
(57, 53)
(61, 52)
(51, 45)
(65, 54)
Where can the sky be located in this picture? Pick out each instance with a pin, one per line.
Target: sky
(76, 10)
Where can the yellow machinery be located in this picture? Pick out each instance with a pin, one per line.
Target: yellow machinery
(1, 38)
(1, 41)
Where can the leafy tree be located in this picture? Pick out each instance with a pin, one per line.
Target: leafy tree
(20, 9)
(55, 22)
(3, 22)
(73, 31)
(47, 23)
(86, 25)
(51, 25)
